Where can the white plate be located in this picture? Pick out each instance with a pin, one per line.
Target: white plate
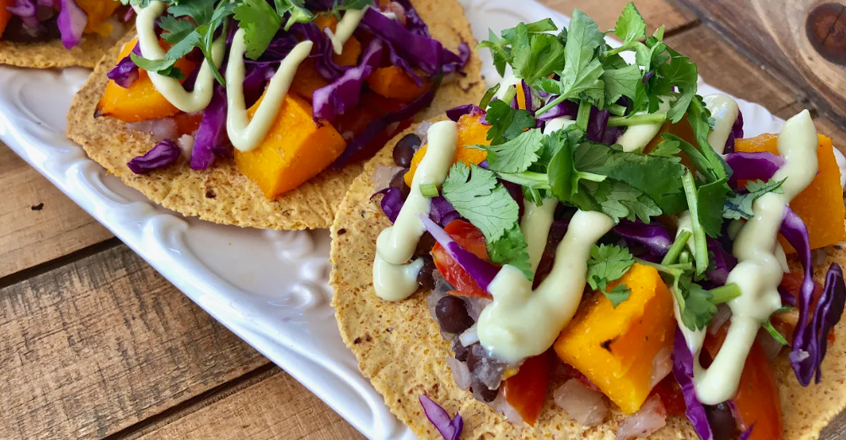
(268, 287)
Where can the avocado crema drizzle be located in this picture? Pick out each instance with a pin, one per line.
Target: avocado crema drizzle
(522, 322)
(246, 134)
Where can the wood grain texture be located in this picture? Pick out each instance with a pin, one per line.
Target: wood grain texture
(606, 12)
(39, 223)
(272, 405)
(98, 345)
(775, 34)
(737, 75)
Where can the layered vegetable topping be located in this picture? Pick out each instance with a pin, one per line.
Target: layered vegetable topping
(290, 88)
(31, 21)
(595, 223)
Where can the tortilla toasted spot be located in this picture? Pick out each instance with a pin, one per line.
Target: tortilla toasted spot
(239, 201)
(54, 54)
(363, 319)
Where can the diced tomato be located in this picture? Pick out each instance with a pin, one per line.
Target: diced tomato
(758, 402)
(188, 123)
(669, 391)
(471, 239)
(525, 391)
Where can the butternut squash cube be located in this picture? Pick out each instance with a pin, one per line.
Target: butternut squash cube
(615, 347)
(392, 82)
(99, 12)
(295, 149)
(141, 101)
(471, 131)
(820, 205)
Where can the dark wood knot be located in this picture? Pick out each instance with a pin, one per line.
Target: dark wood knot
(826, 29)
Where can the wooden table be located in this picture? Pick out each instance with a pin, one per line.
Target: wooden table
(95, 344)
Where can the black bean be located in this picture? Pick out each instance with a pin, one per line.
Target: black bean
(398, 182)
(452, 314)
(461, 352)
(425, 244)
(404, 149)
(483, 393)
(425, 278)
(721, 420)
(49, 30)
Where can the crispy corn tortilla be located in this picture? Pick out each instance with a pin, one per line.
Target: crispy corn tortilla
(377, 331)
(54, 54)
(221, 194)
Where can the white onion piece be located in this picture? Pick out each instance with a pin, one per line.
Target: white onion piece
(770, 346)
(422, 131)
(186, 143)
(502, 406)
(475, 305)
(469, 337)
(723, 314)
(818, 256)
(662, 364)
(161, 129)
(382, 176)
(585, 406)
(651, 417)
(460, 372)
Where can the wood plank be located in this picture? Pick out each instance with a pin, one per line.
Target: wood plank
(39, 222)
(103, 343)
(803, 42)
(724, 68)
(606, 12)
(270, 406)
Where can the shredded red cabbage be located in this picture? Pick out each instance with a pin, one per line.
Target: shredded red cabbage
(72, 21)
(126, 72)
(598, 129)
(455, 113)
(565, 108)
(724, 262)
(442, 212)
(480, 270)
(753, 166)
(809, 338)
(212, 131)
(162, 155)
(422, 51)
(391, 202)
(413, 22)
(653, 236)
(736, 133)
(683, 371)
(527, 92)
(745, 434)
(450, 429)
(345, 92)
(377, 126)
(27, 12)
(323, 52)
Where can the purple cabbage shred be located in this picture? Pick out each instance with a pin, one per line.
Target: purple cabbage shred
(653, 236)
(212, 131)
(442, 212)
(736, 133)
(162, 155)
(455, 113)
(391, 202)
(753, 166)
(72, 21)
(344, 93)
(480, 270)
(126, 72)
(683, 371)
(450, 429)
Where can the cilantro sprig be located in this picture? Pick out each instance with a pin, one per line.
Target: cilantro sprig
(608, 263)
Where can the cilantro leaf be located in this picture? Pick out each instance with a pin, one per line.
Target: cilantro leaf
(630, 26)
(695, 306)
(711, 198)
(739, 206)
(543, 55)
(655, 176)
(163, 67)
(260, 24)
(621, 82)
(299, 14)
(507, 123)
(200, 11)
(175, 30)
(682, 73)
(669, 149)
(516, 155)
(608, 263)
(475, 193)
(511, 249)
(615, 199)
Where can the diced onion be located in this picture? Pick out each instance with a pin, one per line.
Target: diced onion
(469, 337)
(662, 364)
(651, 417)
(723, 314)
(770, 346)
(585, 406)
(502, 406)
(460, 372)
(382, 176)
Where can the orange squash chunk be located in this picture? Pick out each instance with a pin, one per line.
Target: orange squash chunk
(820, 205)
(99, 11)
(615, 348)
(295, 149)
(349, 57)
(141, 101)
(393, 82)
(471, 131)
(307, 80)
(5, 15)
